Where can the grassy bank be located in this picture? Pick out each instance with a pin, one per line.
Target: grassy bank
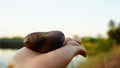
(110, 59)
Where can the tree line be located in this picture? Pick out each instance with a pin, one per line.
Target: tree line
(11, 43)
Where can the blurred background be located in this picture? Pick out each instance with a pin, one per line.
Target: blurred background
(95, 22)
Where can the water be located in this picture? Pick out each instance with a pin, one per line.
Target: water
(6, 55)
(76, 61)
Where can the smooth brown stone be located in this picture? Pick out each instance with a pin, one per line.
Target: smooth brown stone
(44, 41)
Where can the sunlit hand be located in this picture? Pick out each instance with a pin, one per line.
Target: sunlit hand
(58, 58)
(77, 43)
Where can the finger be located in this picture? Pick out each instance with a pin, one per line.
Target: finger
(82, 51)
(78, 41)
(69, 39)
(74, 43)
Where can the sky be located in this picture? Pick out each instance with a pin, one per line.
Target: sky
(72, 17)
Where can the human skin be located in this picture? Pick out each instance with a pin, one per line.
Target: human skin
(59, 58)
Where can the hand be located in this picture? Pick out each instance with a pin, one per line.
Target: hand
(76, 43)
(58, 58)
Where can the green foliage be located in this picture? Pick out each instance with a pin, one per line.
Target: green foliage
(89, 39)
(103, 60)
(105, 45)
(12, 43)
(17, 38)
(114, 32)
(111, 25)
(96, 45)
(100, 50)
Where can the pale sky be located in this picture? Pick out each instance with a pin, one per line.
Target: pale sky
(81, 17)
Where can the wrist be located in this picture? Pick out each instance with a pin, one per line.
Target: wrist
(73, 49)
